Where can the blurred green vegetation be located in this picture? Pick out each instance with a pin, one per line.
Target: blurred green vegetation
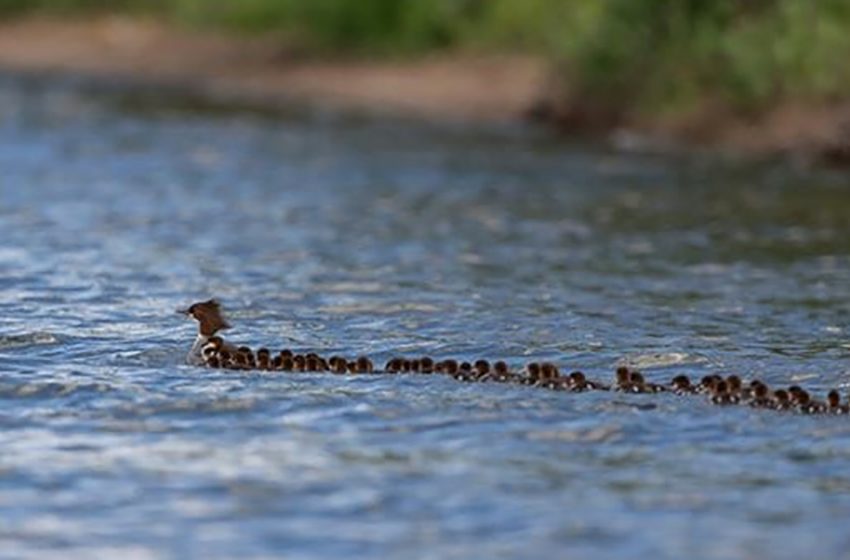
(618, 56)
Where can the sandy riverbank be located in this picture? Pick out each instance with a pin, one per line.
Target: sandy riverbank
(482, 89)
(256, 70)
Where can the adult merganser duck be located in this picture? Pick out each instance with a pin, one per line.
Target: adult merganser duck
(210, 321)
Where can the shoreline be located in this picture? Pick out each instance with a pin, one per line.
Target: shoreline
(459, 87)
(261, 72)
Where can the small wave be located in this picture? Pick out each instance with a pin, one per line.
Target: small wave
(27, 339)
(599, 434)
(197, 407)
(663, 359)
(51, 389)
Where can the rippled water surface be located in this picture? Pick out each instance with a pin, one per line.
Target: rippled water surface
(356, 236)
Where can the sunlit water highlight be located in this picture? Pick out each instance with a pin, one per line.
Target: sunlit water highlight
(353, 236)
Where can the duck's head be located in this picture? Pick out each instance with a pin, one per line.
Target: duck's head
(208, 315)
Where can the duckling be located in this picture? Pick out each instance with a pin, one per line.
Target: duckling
(681, 385)
(311, 363)
(239, 361)
(464, 372)
(299, 363)
(749, 391)
(622, 379)
(286, 353)
(807, 405)
(209, 353)
(426, 365)
(393, 365)
(760, 396)
(834, 406)
(224, 359)
(578, 382)
(502, 374)
(795, 393)
(250, 361)
(550, 378)
(263, 359)
(449, 367)
(735, 385)
(482, 369)
(638, 384)
(338, 364)
(313, 358)
(532, 370)
(364, 365)
(545, 377)
(781, 400)
(213, 345)
(721, 394)
(314, 362)
(213, 362)
(277, 363)
(415, 366)
(708, 383)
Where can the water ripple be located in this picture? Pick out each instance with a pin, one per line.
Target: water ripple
(359, 236)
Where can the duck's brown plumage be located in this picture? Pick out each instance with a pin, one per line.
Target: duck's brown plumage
(209, 317)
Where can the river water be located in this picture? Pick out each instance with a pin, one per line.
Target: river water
(343, 234)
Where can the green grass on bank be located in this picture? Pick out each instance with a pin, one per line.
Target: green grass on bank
(617, 56)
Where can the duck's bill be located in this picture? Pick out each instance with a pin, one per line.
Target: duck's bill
(183, 311)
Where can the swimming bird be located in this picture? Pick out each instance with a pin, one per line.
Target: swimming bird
(550, 378)
(449, 367)
(337, 364)
(781, 400)
(681, 385)
(393, 365)
(264, 359)
(210, 321)
(760, 396)
(834, 406)
(532, 370)
(502, 374)
(721, 394)
(364, 365)
(210, 349)
(622, 379)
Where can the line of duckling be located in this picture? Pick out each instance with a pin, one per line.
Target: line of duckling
(730, 390)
